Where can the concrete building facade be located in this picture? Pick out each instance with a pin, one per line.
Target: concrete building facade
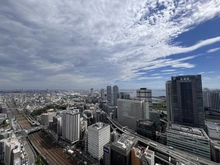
(71, 125)
(98, 136)
(129, 111)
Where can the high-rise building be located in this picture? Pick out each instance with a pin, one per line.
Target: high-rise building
(187, 100)
(71, 125)
(206, 98)
(102, 93)
(129, 111)
(91, 92)
(115, 95)
(215, 101)
(121, 150)
(169, 100)
(144, 94)
(98, 136)
(189, 139)
(109, 95)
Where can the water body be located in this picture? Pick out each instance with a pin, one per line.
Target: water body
(155, 92)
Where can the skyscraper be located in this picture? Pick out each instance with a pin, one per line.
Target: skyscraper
(71, 125)
(102, 93)
(115, 95)
(187, 100)
(169, 100)
(109, 95)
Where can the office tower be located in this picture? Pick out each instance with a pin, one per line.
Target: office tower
(187, 101)
(109, 95)
(144, 94)
(98, 136)
(71, 125)
(102, 93)
(215, 101)
(169, 100)
(115, 95)
(146, 128)
(121, 150)
(91, 93)
(129, 111)
(188, 139)
(206, 98)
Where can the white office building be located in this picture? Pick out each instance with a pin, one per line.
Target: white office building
(71, 125)
(129, 111)
(98, 136)
(188, 139)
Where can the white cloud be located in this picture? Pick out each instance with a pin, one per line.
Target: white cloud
(168, 70)
(84, 43)
(213, 50)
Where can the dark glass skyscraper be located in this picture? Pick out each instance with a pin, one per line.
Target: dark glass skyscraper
(187, 100)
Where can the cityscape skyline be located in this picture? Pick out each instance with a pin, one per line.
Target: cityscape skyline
(75, 45)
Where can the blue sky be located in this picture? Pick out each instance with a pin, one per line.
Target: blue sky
(72, 44)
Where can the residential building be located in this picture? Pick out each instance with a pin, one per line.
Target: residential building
(129, 111)
(98, 136)
(121, 150)
(189, 139)
(187, 100)
(71, 125)
(115, 95)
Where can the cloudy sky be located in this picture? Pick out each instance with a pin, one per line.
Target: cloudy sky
(71, 44)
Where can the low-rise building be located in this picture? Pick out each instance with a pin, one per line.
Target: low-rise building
(121, 150)
(188, 139)
(146, 128)
(213, 130)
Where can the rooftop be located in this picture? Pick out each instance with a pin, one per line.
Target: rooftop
(125, 141)
(211, 125)
(98, 125)
(190, 131)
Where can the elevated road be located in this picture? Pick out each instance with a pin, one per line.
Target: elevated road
(162, 151)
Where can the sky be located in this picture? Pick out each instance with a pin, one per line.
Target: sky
(82, 44)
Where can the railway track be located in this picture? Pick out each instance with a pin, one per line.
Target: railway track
(52, 152)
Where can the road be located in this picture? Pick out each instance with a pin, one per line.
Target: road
(180, 156)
